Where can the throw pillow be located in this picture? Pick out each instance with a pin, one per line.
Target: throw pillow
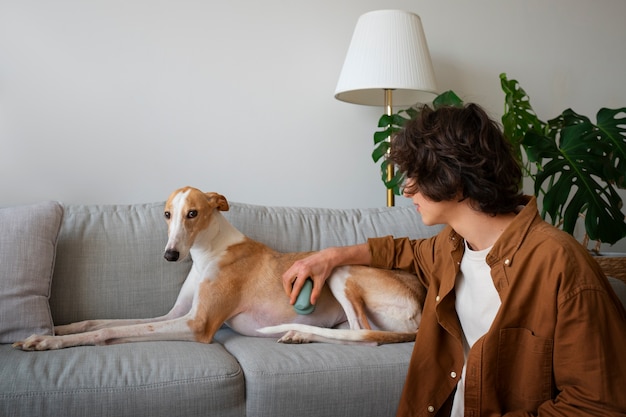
(27, 251)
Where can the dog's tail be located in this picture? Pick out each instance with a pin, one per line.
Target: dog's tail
(303, 333)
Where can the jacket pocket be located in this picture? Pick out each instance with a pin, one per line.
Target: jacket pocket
(524, 369)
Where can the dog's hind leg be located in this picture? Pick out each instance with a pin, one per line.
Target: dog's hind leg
(302, 333)
(350, 299)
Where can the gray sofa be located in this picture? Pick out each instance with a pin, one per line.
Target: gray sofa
(68, 263)
(64, 264)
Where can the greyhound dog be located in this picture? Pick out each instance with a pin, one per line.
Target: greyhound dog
(237, 281)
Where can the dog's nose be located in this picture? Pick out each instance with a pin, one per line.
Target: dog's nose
(171, 255)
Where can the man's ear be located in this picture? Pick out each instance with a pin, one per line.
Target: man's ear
(218, 201)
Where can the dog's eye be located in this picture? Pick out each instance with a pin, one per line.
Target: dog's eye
(167, 214)
(192, 214)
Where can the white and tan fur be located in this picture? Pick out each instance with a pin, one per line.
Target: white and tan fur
(237, 281)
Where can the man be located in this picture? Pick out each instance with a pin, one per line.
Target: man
(518, 320)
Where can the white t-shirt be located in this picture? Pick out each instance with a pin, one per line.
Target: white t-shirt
(477, 303)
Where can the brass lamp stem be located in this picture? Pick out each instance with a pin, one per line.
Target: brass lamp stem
(390, 169)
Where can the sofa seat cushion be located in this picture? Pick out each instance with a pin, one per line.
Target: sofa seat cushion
(135, 379)
(27, 253)
(286, 379)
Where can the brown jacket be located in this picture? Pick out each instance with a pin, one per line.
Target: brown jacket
(557, 346)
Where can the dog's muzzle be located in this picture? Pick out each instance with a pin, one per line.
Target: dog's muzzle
(171, 255)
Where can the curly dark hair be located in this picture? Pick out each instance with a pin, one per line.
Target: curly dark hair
(456, 151)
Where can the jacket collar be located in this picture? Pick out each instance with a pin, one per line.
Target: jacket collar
(511, 239)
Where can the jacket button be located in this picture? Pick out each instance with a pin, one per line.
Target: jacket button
(437, 298)
(507, 261)
(453, 374)
(431, 409)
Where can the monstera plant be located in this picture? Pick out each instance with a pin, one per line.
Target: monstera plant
(576, 165)
(391, 124)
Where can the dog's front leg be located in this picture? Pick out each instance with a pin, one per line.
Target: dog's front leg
(179, 310)
(177, 329)
(181, 307)
(91, 325)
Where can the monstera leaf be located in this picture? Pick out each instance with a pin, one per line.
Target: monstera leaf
(518, 117)
(391, 124)
(578, 164)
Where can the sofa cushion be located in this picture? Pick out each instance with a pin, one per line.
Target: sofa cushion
(297, 229)
(284, 379)
(110, 264)
(152, 379)
(27, 252)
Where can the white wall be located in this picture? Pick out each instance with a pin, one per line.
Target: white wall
(122, 101)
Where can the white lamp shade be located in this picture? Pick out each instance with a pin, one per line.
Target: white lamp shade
(388, 51)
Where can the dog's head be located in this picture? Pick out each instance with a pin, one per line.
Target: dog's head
(188, 213)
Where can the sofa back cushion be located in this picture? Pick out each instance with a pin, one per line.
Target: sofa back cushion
(109, 264)
(297, 229)
(110, 257)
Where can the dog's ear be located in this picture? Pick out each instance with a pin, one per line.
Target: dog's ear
(218, 201)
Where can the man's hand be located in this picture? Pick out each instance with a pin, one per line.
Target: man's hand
(317, 266)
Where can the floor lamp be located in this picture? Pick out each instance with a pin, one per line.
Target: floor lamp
(387, 64)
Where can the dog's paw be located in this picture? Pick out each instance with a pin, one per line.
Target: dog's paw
(38, 342)
(295, 337)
